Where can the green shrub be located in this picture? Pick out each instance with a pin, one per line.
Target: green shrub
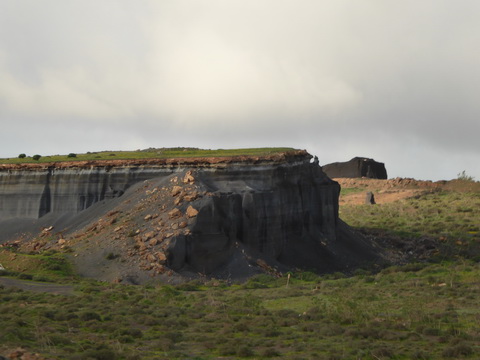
(90, 315)
(58, 339)
(25, 276)
(260, 281)
(22, 156)
(463, 176)
(459, 350)
(41, 278)
(111, 256)
(100, 354)
(269, 352)
(36, 157)
(72, 155)
(245, 351)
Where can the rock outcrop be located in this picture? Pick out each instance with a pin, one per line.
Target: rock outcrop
(227, 218)
(357, 167)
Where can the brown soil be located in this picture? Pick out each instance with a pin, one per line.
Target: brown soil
(19, 354)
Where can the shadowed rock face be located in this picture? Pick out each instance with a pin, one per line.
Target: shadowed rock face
(356, 168)
(270, 211)
(280, 213)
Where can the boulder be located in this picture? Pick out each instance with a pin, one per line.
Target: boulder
(191, 211)
(369, 198)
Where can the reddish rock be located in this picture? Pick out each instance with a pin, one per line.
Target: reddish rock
(174, 214)
(188, 179)
(161, 256)
(148, 235)
(191, 197)
(176, 190)
(191, 212)
(151, 258)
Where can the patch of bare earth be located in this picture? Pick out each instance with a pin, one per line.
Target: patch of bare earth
(384, 191)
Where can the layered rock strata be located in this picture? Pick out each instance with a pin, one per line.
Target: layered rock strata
(225, 217)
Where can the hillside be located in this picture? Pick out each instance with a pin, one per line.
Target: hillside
(426, 308)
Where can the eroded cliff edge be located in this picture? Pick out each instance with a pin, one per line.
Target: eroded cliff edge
(225, 217)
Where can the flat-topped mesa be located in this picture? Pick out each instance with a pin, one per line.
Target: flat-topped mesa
(280, 208)
(66, 188)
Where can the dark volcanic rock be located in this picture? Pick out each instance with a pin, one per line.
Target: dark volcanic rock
(356, 168)
(225, 220)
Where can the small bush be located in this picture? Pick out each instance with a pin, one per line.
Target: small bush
(41, 278)
(90, 315)
(36, 157)
(72, 155)
(463, 176)
(25, 276)
(58, 339)
(22, 156)
(193, 285)
(269, 352)
(260, 281)
(245, 351)
(111, 256)
(100, 354)
(458, 350)
(134, 333)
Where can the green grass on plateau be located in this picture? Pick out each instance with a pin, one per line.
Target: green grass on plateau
(148, 154)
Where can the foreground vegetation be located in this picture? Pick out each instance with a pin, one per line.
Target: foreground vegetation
(143, 154)
(427, 310)
(416, 311)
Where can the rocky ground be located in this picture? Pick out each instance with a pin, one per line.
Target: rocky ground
(19, 354)
(129, 243)
(386, 191)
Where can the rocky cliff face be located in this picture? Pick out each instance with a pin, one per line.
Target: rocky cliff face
(357, 167)
(220, 217)
(35, 193)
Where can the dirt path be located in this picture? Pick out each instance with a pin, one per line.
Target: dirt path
(37, 286)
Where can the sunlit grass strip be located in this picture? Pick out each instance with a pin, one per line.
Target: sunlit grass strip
(451, 214)
(153, 154)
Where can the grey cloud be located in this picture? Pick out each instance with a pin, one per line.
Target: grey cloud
(392, 80)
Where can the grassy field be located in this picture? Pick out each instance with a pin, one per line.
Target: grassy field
(417, 311)
(427, 310)
(453, 217)
(146, 154)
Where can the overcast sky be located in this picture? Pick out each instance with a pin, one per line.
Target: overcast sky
(397, 81)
